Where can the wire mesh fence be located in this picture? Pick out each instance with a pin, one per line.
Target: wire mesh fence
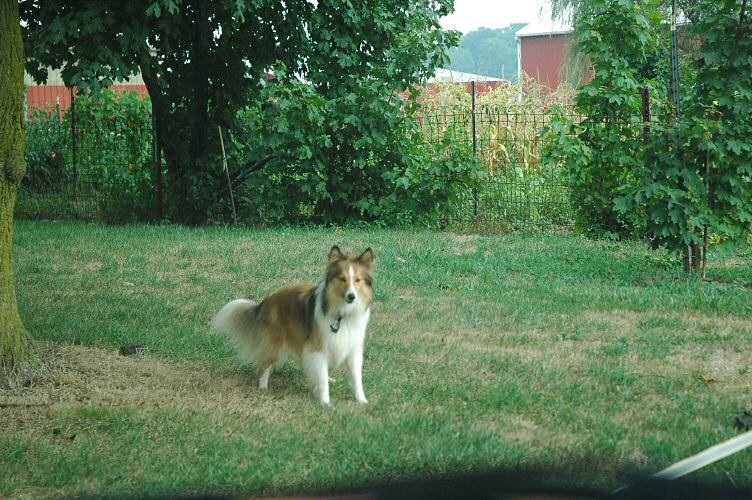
(519, 192)
(90, 163)
(47, 189)
(96, 161)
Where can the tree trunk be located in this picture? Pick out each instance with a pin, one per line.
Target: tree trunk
(15, 345)
(693, 258)
(159, 111)
(696, 258)
(182, 127)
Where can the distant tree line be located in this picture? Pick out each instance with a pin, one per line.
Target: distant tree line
(488, 52)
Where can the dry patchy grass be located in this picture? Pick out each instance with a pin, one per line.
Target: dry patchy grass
(74, 376)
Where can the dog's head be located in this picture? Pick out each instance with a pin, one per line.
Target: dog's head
(349, 279)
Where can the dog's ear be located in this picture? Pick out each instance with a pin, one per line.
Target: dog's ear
(335, 254)
(366, 258)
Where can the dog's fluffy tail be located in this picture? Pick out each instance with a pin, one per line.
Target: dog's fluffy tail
(236, 320)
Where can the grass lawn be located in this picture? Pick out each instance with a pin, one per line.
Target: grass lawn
(483, 352)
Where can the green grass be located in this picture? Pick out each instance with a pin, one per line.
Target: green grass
(483, 352)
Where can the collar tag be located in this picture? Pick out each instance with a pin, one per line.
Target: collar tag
(335, 326)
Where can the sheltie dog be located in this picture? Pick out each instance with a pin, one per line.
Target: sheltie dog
(323, 324)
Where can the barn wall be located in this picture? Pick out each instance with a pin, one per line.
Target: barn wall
(544, 58)
(55, 94)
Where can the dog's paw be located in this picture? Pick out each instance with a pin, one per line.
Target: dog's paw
(323, 395)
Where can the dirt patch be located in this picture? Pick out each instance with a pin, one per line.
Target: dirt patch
(457, 344)
(74, 376)
(627, 321)
(727, 370)
(463, 238)
(462, 243)
(622, 320)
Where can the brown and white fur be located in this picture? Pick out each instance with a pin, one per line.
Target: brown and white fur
(323, 324)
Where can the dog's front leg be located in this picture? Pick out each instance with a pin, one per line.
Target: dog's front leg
(264, 378)
(355, 370)
(317, 369)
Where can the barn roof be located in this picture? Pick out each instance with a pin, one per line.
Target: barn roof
(447, 75)
(544, 28)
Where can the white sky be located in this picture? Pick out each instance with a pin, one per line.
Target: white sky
(469, 15)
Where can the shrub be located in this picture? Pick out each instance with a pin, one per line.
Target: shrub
(354, 157)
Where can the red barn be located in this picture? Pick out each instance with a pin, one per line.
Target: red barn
(542, 52)
(55, 95)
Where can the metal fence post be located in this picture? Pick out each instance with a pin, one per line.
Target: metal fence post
(675, 63)
(75, 144)
(646, 114)
(158, 160)
(475, 148)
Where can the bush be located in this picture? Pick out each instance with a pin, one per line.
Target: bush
(352, 158)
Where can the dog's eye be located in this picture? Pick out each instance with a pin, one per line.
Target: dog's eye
(342, 279)
(358, 280)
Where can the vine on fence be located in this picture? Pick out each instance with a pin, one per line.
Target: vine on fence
(47, 149)
(676, 183)
(519, 192)
(602, 150)
(304, 158)
(695, 182)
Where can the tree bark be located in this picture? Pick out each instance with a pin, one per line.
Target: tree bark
(16, 350)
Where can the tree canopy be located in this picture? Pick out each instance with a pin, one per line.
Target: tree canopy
(202, 61)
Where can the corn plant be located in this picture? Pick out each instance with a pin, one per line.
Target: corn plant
(506, 126)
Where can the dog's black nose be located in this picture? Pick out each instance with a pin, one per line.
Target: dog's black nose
(350, 297)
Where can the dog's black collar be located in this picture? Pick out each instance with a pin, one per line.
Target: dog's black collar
(335, 326)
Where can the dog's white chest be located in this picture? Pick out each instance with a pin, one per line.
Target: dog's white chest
(348, 338)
